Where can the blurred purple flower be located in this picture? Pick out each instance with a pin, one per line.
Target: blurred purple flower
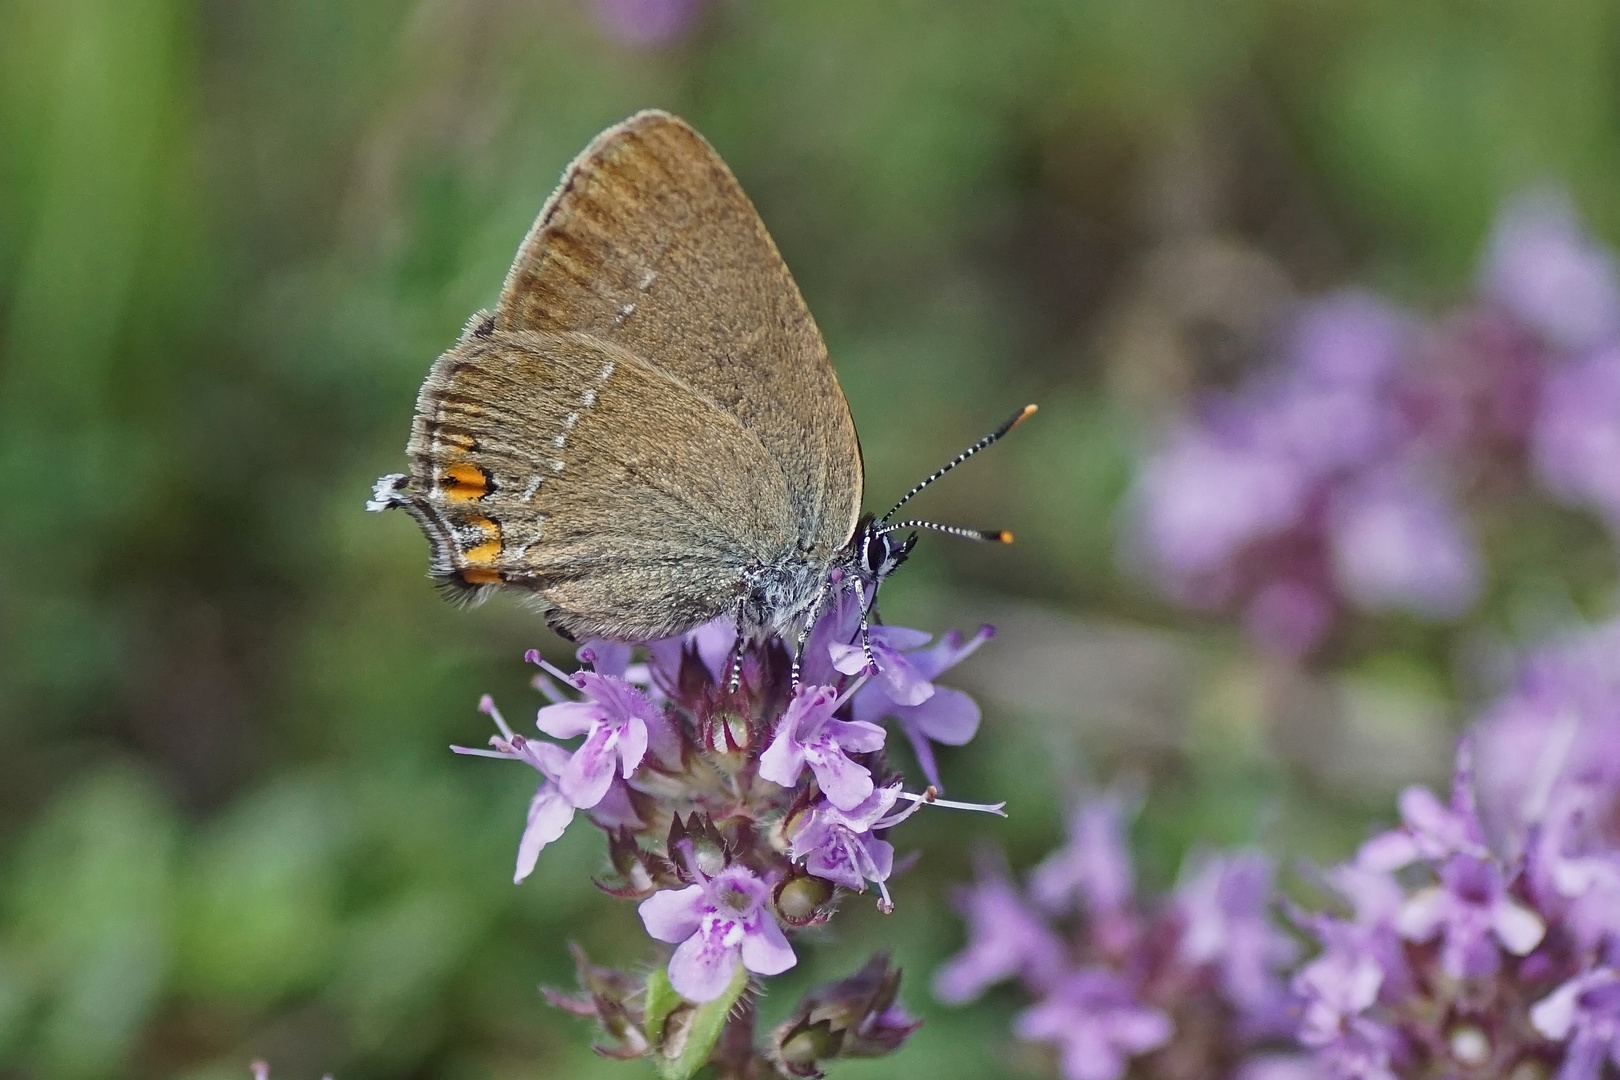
(1576, 440)
(1559, 722)
(718, 923)
(1544, 268)
(1297, 492)
(1350, 339)
(1400, 544)
(1288, 618)
(1097, 1023)
(1204, 497)
(1584, 1013)
(646, 23)
(1472, 914)
(807, 734)
(1093, 867)
(1005, 938)
(1197, 974)
(1224, 902)
(1430, 829)
(1339, 984)
(942, 715)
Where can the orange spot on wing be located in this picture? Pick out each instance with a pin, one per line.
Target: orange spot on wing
(475, 576)
(462, 482)
(490, 549)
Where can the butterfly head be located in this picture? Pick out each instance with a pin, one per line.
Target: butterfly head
(878, 551)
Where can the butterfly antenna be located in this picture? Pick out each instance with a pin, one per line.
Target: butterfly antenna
(1012, 422)
(990, 536)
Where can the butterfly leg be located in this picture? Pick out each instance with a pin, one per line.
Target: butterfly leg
(866, 626)
(805, 630)
(737, 654)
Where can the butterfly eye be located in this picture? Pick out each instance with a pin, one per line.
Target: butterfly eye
(875, 554)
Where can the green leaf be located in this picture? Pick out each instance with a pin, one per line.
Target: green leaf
(684, 1032)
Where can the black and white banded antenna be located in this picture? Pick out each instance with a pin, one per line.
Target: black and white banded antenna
(998, 536)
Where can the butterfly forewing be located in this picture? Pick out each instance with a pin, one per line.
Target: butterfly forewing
(648, 417)
(650, 244)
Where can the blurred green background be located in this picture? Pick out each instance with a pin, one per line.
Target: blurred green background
(233, 236)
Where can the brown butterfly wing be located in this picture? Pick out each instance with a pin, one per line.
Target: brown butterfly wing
(650, 245)
(629, 502)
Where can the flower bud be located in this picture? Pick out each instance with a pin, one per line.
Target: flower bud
(801, 899)
(854, 1017)
(808, 1045)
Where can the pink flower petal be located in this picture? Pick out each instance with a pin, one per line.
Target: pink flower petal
(549, 815)
(1518, 928)
(782, 761)
(590, 770)
(633, 745)
(765, 950)
(702, 967)
(673, 914)
(855, 736)
(845, 783)
(568, 718)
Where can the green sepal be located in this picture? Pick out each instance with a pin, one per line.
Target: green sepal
(696, 1031)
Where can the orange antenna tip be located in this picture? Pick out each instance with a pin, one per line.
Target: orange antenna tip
(1003, 537)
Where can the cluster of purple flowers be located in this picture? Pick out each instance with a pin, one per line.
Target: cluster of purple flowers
(1461, 957)
(736, 818)
(1338, 477)
(1189, 986)
(1479, 939)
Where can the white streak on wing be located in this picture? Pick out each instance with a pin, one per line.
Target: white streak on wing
(646, 280)
(587, 399)
(625, 311)
(534, 486)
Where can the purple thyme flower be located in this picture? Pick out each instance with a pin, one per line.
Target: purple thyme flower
(838, 845)
(615, 719)
(1341, 983)
(942, 715)
(1093, 867)
(1400, 544)
(1543, 267)
(1195, 975)
(716, 827)
(1472, 913)
(807, 734)
(1575, 444)
(1585, 1013)
(1097, 1023)
(1430, 829)
(718, 923)
(1005, 938)
(1202, 499)
(897, 678)
(1558, 723)
(1224, 903)
(549, 811)
(712, 643)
